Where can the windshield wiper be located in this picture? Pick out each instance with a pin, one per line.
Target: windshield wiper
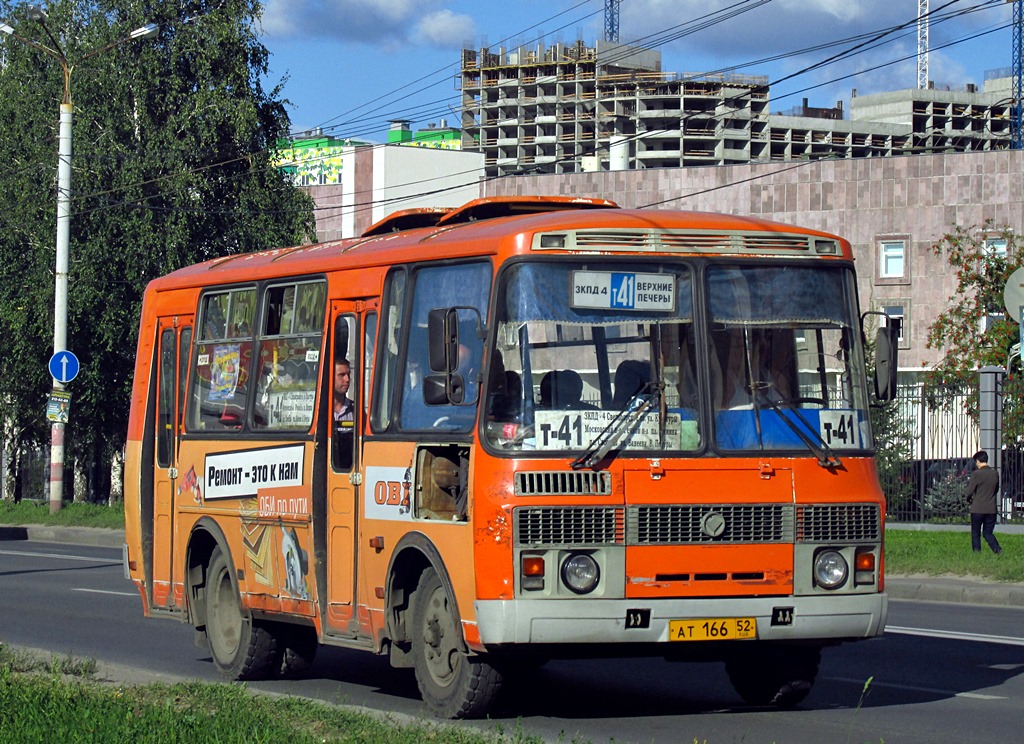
(820, 449)
(624, 423)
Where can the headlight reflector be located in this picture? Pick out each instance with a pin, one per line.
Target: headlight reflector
(830, 569)
(580, 573)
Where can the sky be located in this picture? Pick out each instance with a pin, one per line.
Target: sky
(350, 66)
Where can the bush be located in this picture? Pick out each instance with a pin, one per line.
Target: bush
(946, 497)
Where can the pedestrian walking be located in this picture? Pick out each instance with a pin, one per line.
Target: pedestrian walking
(982, 488)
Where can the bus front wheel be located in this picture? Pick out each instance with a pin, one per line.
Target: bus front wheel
(241, 648)
(452, 684)
(775, 675)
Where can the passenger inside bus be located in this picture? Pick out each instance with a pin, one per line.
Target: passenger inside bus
(343, 416)
(505, 392)
(630, 378)
(562, 390)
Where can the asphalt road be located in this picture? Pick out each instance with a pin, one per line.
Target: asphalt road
(943, 673)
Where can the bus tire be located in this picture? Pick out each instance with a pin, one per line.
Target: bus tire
(779, 675)
(297, 645)
(452, 684)
(241, 648)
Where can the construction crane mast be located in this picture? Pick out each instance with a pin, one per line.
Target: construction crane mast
(1016, 135)
(611, 20)
(922, 44)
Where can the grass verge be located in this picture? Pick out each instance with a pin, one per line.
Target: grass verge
(949, 553)
(59, 700)
(71, 515)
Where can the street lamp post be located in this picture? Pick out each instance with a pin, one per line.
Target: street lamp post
(60, 293)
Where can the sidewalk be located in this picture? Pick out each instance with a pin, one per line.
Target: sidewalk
(921, 588)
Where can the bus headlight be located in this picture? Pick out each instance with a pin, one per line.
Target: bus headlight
(830, 569)
(580, 573)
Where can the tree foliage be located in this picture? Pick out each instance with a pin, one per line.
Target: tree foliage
(171, 165)
(975, 331)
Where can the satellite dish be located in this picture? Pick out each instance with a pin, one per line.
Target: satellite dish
(1013, 295)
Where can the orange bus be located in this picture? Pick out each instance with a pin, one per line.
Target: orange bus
(528, 428)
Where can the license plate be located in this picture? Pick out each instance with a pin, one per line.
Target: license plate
(713, 629)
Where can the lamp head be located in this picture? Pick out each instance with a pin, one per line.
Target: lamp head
(145, 32)
(35, 13)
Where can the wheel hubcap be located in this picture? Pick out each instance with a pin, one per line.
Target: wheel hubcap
(442, 655)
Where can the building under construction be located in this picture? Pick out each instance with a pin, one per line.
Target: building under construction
(572, 108)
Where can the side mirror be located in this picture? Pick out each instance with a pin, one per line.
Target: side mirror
(447, 355)
(443, 339)
(886, 361)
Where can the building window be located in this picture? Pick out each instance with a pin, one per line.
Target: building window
(995, 247)
(898, 311)
(891, 259)
(990, 319)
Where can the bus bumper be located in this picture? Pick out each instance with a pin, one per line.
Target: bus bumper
(830, 618)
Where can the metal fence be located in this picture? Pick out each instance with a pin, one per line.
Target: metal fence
(929, 443)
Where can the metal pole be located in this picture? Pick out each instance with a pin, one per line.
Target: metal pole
(60, 292)
(990, 422)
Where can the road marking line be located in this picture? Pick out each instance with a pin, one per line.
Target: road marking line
(955, 635)
(59, 555)
(1005, 667)
(105, 591)
(915, 688)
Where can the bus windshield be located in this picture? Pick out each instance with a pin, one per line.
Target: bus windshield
(655, 359)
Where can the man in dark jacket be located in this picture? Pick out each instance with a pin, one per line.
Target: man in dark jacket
(981, 494)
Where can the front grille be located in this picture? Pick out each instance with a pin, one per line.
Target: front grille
(567, 525)
(717, 523)
(563, 483)
(838, 523)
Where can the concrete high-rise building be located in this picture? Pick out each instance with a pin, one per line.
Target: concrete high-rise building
(575, 108)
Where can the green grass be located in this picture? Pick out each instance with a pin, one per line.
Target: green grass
(71, 515)
(39, 701)
(949, 553)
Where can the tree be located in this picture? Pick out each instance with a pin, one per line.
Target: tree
(974, 331)
(171, 165)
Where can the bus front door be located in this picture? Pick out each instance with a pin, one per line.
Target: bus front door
(351, 323)
(175, 338)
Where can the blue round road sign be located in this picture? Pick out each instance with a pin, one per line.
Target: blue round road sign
(64, 366)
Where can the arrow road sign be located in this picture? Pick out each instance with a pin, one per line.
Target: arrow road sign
(63, 366)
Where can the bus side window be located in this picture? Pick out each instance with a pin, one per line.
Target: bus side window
(344, 393)
(290, 338)
(165, 406)
(389, 338)
(221, 366)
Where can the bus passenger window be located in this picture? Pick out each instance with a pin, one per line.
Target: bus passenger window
(291, 334)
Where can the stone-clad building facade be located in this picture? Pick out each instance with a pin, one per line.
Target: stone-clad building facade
(893, 210)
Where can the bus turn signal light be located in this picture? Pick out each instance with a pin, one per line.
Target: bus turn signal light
(533, 572)
(865, 561)
(533, 566)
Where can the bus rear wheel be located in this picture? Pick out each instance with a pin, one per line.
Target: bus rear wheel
(240, 647)
(452, 684)
(297, 646)
(775, 675)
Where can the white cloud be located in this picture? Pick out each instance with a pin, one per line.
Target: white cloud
(369, 21)
(445, 29)
(781, 28)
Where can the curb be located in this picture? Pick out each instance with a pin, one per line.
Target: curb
(964, 591)
(97, 537)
